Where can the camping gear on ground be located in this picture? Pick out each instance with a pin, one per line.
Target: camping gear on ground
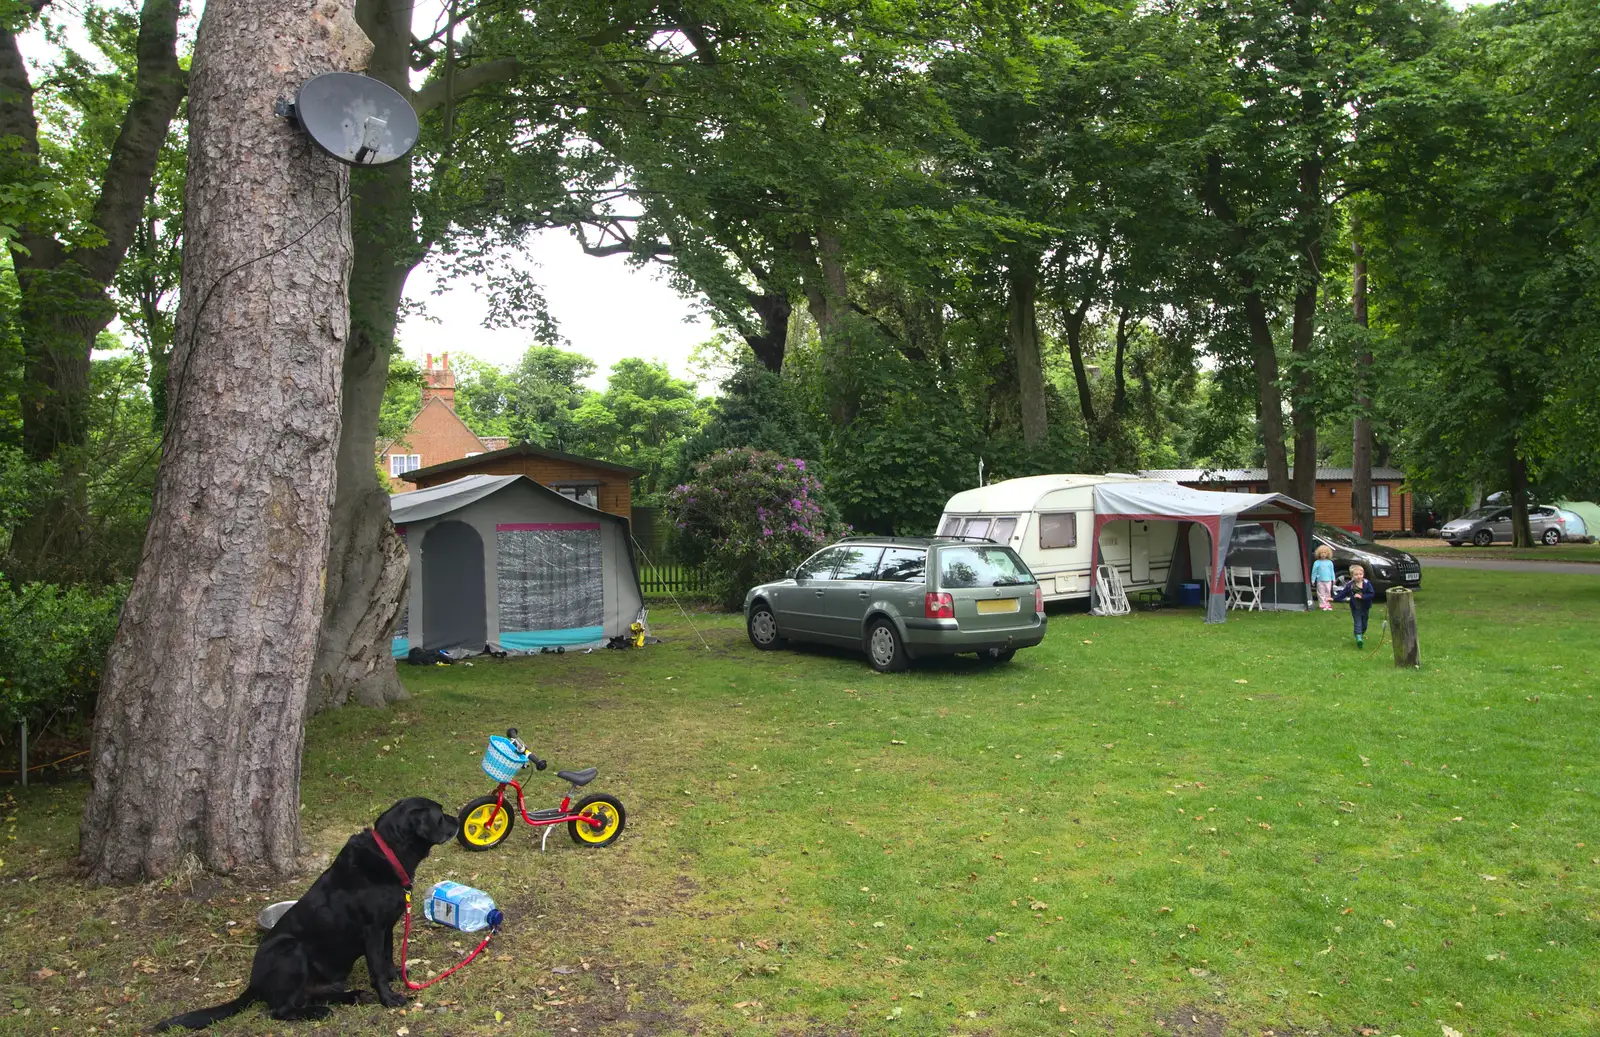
(1154, 533)
(460, 907)
(1111, 600)
(1191, 594)
(595, 820)
(501, 559)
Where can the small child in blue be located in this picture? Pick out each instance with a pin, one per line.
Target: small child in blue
(1322, 577)
(1359, 592)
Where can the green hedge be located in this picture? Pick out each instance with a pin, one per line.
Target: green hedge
(53, 644)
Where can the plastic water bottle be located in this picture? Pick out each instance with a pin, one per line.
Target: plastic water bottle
(460, 907)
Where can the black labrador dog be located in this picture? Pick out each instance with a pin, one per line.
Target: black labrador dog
(301, 965)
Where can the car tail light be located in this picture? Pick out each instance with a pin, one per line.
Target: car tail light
(1038, 598)
(938, 606)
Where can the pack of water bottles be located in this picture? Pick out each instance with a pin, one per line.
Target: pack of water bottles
(461, 907)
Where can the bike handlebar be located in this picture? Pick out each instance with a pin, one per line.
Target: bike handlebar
(522, 747)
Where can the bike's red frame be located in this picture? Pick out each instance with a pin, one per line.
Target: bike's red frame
(566, 804)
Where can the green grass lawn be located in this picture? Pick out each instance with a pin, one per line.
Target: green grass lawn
(1145, 826)
(1554, 553)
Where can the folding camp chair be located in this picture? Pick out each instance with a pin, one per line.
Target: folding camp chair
(1113, 599)
(1244, 589)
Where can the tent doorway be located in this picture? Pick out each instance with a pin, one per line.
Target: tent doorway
(454, 609)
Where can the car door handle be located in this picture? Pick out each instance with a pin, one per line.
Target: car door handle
(863, 595)
(819, 594)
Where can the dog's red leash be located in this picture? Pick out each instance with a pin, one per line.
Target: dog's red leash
(405, 938)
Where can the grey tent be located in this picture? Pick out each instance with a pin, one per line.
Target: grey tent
(501, 559)
(1202, 516)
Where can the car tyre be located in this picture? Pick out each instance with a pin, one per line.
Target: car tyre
(885, 651)
(762, 626)
(1483, 538)
(1552, 537)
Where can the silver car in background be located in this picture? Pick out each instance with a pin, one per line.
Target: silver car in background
(903, 598)
(1492, 525)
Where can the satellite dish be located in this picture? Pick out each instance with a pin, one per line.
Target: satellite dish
(358, 120)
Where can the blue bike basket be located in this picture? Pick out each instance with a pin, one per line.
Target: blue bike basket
(501, 761)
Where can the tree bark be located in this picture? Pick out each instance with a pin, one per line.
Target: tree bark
(772, 341)
(62, 286)
(1361, 450)
(1269, 417)
(1521, 533)
(199, 727)
(828, 298)
(1403, 626)
(1310, 207)
(1302, 394)
(367, 561)
(1023, 323)
(1119, 399)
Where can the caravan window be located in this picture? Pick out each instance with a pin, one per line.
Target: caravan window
(1003, 528)
(976, 527)
(1058, 530)
(950, 526)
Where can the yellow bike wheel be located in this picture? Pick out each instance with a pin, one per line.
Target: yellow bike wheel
(603, 808)
(484, 825)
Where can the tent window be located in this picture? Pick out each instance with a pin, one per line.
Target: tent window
(400, 464)
(1380, 501)
(550, 579)
(1059, 530)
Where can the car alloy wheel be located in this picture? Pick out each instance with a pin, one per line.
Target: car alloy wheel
(1483, 538)
(1552, 537)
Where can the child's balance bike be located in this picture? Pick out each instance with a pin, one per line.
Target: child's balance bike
(596, 820)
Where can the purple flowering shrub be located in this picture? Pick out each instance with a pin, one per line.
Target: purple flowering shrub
(747, 516)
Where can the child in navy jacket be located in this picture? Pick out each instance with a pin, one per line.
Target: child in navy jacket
(1359, 592)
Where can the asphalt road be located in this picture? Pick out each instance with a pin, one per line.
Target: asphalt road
(1507, 565)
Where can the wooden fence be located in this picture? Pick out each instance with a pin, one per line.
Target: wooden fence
(684, 581)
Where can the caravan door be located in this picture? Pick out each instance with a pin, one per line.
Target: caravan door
(1139, 545)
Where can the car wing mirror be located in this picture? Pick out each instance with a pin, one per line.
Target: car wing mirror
(791, 574)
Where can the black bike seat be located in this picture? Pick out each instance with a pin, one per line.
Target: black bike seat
(582, 777)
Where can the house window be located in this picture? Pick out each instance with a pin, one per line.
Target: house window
(1058, 530)
(588, 495)
(400, 464)
(1380, 501)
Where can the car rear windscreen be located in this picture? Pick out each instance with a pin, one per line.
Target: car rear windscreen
(981, 567)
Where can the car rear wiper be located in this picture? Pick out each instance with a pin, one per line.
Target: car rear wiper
(1006, 581)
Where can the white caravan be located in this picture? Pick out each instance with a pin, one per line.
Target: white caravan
(1049, 521)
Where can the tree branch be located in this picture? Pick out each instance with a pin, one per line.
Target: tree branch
(473, 77)
(159, 84)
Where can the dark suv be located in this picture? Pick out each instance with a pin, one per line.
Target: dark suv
(902, 598)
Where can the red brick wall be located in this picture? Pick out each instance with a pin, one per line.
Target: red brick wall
(615, 493)
(438, 435)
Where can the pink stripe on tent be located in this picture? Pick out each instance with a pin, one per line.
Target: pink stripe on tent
(401, 530)
(504, 527)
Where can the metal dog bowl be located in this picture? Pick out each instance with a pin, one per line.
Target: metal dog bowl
(272, 912)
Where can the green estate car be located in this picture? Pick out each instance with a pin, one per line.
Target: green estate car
(902, 598)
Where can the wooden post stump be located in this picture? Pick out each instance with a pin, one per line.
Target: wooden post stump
(1403, 626)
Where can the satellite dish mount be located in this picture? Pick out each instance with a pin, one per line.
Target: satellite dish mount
(358, 120)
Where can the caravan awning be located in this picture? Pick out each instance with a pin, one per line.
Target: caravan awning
(1217, 512)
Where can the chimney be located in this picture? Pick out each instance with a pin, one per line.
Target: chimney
(440, 382)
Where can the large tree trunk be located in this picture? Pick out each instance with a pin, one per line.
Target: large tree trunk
(200, 722)
(1517, 469)
(772, 341)
(367, 561)
(62, 285)
(1361, 449)
(1023, 322)
(828, 298)
(1302, 333)
(1269, 417)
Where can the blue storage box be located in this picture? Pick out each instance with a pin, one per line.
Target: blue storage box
(1192, 594)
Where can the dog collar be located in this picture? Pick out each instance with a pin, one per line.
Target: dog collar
(394, 862)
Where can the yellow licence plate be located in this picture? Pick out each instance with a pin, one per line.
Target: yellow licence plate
(996, 605)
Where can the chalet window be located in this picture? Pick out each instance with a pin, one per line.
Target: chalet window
(400, 464)
(1380, 501)
(583, 493)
